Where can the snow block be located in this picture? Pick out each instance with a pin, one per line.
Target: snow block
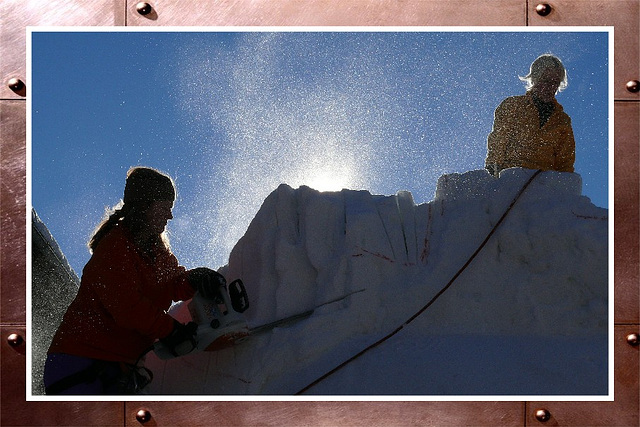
(365, 264)
(469, 185)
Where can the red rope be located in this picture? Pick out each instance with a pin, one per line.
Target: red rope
(427, 305)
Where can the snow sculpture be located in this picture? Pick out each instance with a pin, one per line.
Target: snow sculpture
(529, 312)
(54, 284)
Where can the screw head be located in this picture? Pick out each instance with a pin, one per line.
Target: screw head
(543, 415)
(15, 84)
(15, 340)
(143, 8)
(633, 339)
(633, 86)
(143, 416)
(543, 9)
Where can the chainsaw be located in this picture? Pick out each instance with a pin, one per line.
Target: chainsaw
(220, 320)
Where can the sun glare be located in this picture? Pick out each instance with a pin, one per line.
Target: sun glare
(327, 181)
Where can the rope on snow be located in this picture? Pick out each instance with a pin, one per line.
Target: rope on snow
(427, 305)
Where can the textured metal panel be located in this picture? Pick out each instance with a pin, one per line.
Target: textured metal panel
(624, 15)
(329, 12)
(15, 411)
(13, 211)
(622, 412)
(18, 14)
(627, 232)
(329, 413)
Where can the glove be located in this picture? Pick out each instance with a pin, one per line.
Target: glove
(206, 281)
(182, 340)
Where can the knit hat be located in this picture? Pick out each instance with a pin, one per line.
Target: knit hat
(146, 185)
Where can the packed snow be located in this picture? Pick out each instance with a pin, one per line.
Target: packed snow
(528, 316)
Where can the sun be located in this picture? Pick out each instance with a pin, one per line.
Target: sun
(326, 165)
(328, 180)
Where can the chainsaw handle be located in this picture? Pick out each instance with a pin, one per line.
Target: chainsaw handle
(238, 295)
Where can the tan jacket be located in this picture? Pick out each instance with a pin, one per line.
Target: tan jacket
(517, 140)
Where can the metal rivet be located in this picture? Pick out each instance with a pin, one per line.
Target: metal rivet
(144, 8)
(15, 84)
(143, 416)
(15, 340)
(543, 9)
(633, 339)
(543, 415)
(633, 86)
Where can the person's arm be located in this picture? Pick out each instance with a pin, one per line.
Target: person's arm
(566, 152)
(176, 278)
(498, 139)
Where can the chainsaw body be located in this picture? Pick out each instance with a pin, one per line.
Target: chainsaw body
(220, 320)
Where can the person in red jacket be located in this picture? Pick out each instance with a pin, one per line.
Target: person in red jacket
(128, 284)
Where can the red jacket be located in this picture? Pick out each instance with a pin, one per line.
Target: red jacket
(119, 310)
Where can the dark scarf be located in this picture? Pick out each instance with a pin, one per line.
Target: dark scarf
(545, 109)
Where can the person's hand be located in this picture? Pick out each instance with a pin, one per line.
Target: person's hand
(206, 281)
(182, 340)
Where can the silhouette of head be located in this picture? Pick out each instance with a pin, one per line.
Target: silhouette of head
(547, 76)
(146, 206)
(145, 186)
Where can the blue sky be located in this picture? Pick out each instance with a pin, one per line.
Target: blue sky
(231, 115)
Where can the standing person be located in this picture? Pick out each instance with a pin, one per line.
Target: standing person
(130, 280)
(532, 130)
